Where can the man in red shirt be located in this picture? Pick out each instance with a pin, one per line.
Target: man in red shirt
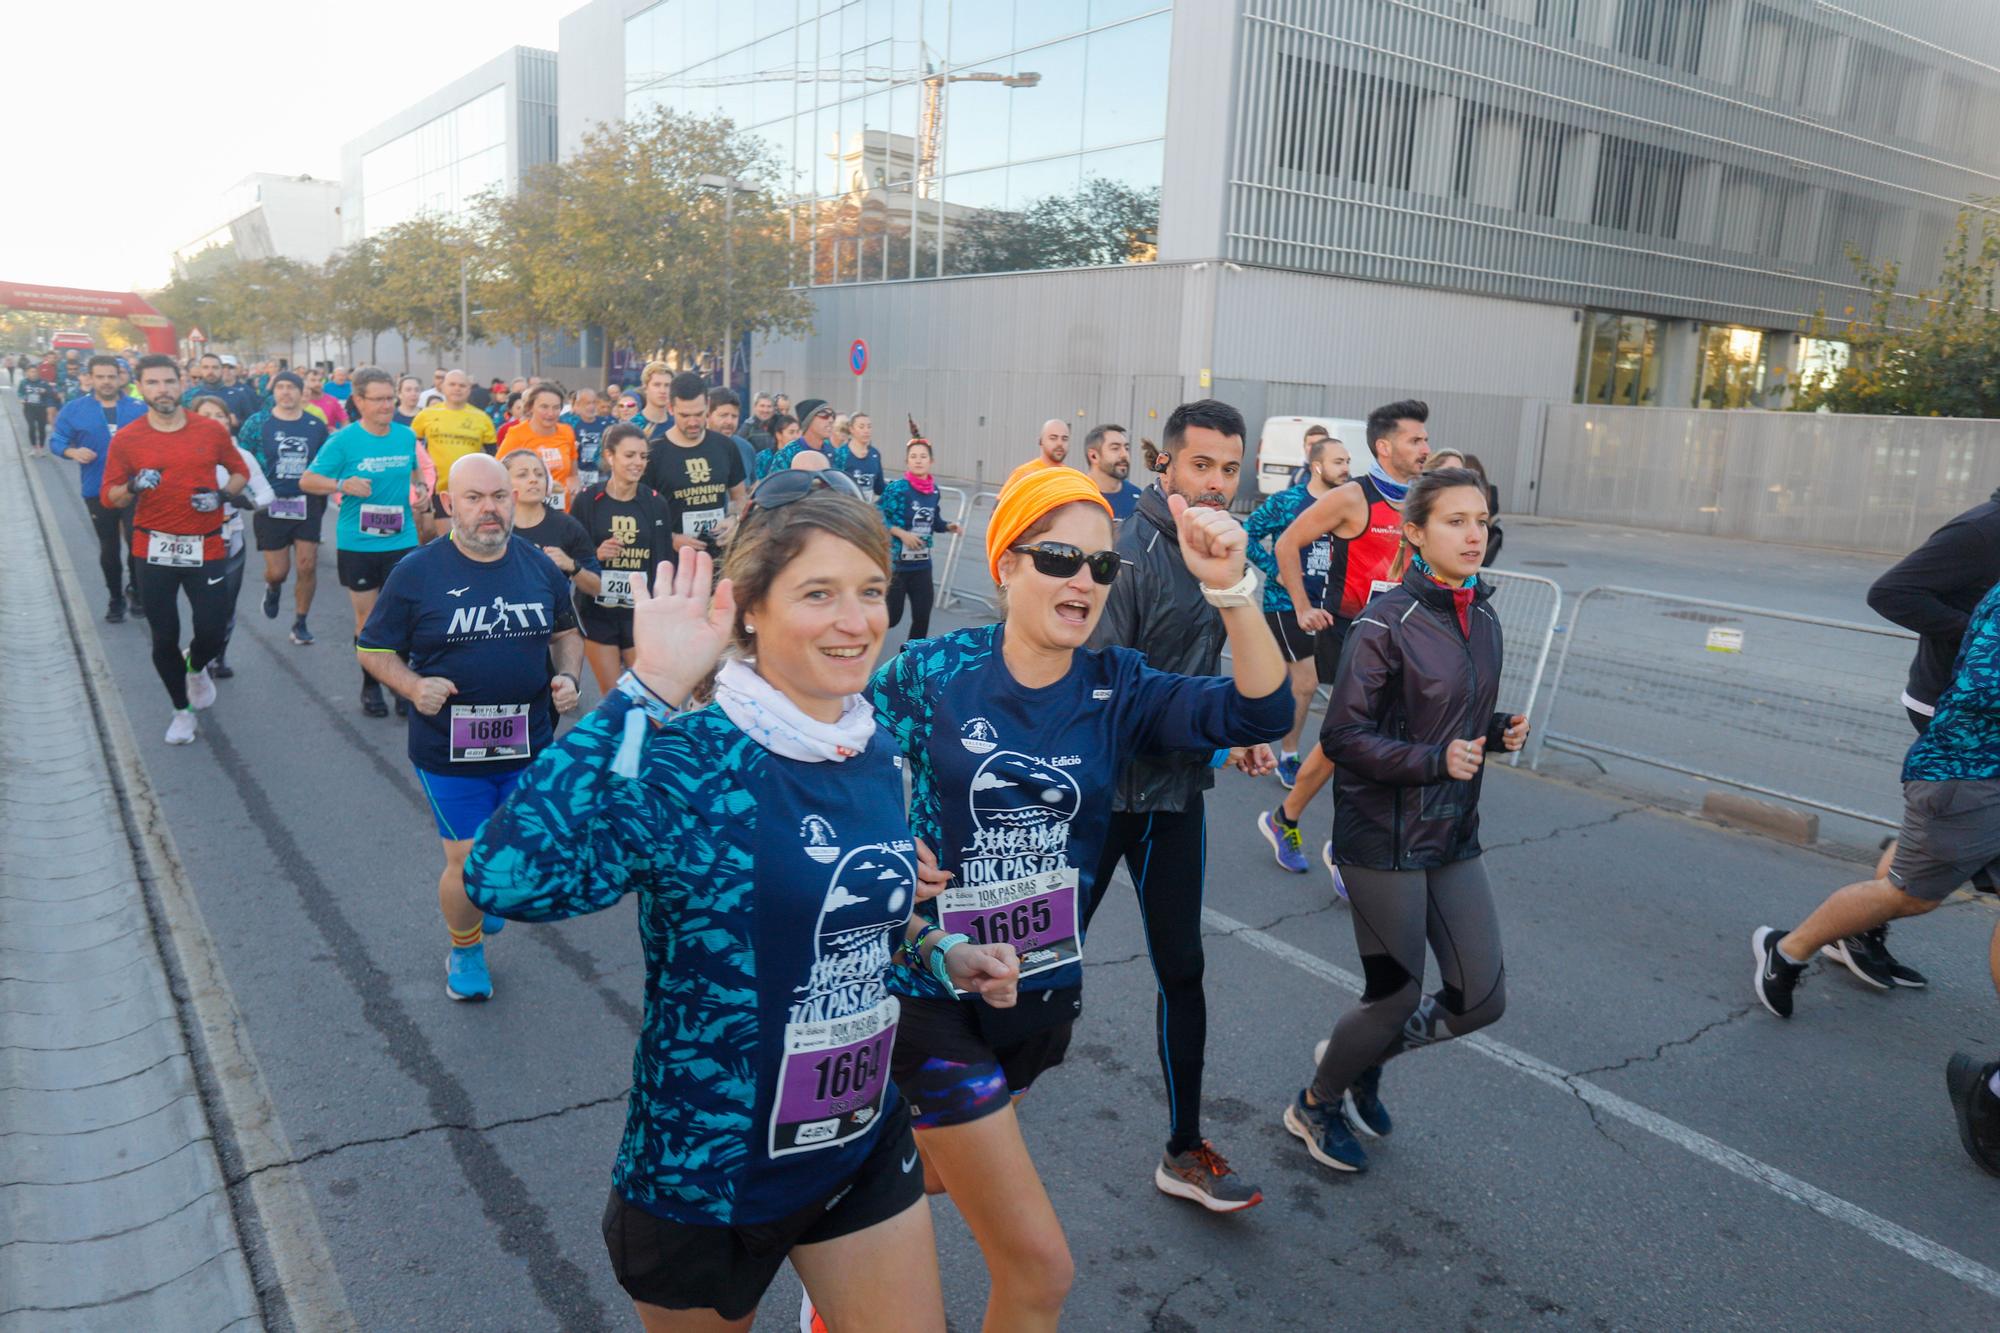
(167, 462)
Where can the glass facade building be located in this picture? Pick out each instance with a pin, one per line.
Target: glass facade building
(932, 138)
(439, 167)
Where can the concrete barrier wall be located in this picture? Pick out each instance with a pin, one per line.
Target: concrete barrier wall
(1853, 483)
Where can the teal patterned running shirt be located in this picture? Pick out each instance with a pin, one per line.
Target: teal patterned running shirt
(1963, 739)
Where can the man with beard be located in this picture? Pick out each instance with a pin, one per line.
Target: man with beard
(1108, 451)
(1158, 826)
(1053, 444)
(480, 617)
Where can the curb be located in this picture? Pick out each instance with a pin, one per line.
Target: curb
(239, 1104)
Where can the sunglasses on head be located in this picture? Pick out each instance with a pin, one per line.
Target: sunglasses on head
(1060, 560)
(783, 488)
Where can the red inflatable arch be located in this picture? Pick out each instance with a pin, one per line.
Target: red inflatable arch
(159, 330)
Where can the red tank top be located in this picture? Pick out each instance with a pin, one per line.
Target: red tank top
(1369, 554)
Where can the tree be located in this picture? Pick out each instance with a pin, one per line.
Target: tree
(1101, 222)
(520, 260)
(355, 300)
(418, 279)
(1935, 354)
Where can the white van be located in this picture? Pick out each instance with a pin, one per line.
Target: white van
(1281, 449)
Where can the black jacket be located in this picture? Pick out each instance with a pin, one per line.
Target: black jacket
(1934, 589)
(1410, 683)
(1156, 607)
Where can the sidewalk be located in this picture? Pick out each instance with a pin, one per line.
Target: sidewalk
(113, 1212)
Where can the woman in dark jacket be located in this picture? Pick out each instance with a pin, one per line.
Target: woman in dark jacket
(1411, 720)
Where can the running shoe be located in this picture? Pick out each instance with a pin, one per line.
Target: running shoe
(372, 702)
(1288, 770)
(181, 730)
(273, 594)
(465, 974)
(1776, 978)
(1363, 1103)
(809, 1320)
(220, 669)
(1286, 844)
(491, 924)
(114, 614)
(201, 689)
(402, 706)
(302, 636)
(1977, 1109)
(1326, 857)
(1202, 1176)
(1327, 1135)
(1854, 954)
(1877, 940)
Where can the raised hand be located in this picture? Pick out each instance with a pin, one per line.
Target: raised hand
(1213, 543)
(679, 626)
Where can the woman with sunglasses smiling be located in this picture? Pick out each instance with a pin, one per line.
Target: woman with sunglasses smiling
(1015, 734)
(765, 839)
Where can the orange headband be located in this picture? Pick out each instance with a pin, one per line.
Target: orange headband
(1025, 500)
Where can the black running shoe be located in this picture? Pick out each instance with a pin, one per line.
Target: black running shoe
(1978, 1110)
(1864, 957)
(402, 706)
(273, 593)
(372, 702)
(1363, 1102)
(220, 669)
(1900, 973)
(1775, 979)
(114, 614)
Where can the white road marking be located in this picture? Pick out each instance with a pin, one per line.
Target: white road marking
(1969, 1271)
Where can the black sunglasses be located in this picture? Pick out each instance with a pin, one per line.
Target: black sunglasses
(1060, 560)
(783, 488)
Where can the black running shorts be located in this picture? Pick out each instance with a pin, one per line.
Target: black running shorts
(366, 571)
(949, 1073)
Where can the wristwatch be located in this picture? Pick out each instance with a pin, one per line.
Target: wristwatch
(1243, 592)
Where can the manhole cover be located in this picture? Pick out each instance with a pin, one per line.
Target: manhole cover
(1700, 617)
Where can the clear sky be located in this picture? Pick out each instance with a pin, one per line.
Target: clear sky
(233, 86)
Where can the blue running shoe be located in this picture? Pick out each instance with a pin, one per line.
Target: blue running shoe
(1288, 770)
(302, 636)
(465, 974)
(272, 591)
(1339, 884)
(1363, 1104)
(1285, 842)
(492, 924)
(1327, 1134)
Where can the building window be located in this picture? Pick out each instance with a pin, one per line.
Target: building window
(1337, 122)
(1666, 32)
(1639, 187)
(1731, 366)
(440, 167)
(1507, 160)
(1618, 361)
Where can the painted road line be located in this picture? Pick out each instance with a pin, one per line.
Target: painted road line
(1969, 1271)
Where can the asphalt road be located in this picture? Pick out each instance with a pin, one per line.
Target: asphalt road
(1633, 1153)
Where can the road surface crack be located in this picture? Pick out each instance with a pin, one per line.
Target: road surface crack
(504, 1123)
(1555, 833)
(1153, 1321)
(1732, 1016)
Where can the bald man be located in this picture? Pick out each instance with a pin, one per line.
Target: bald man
(479, 618)
(810, 460)
(1054, 446)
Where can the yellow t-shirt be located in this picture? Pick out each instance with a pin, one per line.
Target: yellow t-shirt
(451, 433)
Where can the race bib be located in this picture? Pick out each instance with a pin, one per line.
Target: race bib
(382, 520)
(831, 1083)
(482, 733)
(699, 522)
(1379, 586)
(614, 587)
(588, 477)
(1037, 914)
(173, 549)
(287, 507)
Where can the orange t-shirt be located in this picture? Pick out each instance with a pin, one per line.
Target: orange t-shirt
(1035, 464)
(558, 450)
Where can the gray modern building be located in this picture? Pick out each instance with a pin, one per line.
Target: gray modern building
(1102, 207)
(270, 216)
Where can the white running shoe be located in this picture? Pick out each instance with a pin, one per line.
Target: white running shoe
(201, 689)
(180, 731)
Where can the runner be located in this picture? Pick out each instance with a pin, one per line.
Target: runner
(626, 411)
(1410, 724)
(1159, 826)
(552, 532)
(82, 434)
(167, 462)
(910, 512)
(1014, 734)
(724, 414)
(1053, 444)
(256, 494)
(340, 387)
(205, 377)
(656, 416)
(767, 1130)
(815, 423)
(370, 464)
(452, 429)
(697, 472)
(860, 459)
(465, 630)
(588, 423)
(409, 389)
(317, 399)
(39, 398)
(757, 429)
(1108, 451)
(544, 432)
(1313, 654)
(283, 440)
(628, 526)
(1364, 519)
(244, 401)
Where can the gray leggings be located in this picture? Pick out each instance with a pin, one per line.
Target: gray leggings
(1395, 912)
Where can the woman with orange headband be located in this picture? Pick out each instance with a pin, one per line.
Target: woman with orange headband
(1015, 734)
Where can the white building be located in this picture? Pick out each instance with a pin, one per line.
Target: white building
(269, 216)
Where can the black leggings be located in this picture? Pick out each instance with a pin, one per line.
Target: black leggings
(232, 585)
(913, 582)
(1166, 854)
(38, 426)
(1395, 912)
(206, 586)
(114, 542)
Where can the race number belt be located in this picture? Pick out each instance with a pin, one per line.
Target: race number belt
(382, 520)
(831, 1083)
(614, 587)
(174, 549)
(1037, 914)
(699, 522)
(482, 733)
(287, 507)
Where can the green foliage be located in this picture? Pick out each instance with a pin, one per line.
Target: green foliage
(1101, 222)
(1936, 354)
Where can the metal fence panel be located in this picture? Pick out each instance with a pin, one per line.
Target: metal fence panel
(972, 518)
(1528, 606)
(1797, 707)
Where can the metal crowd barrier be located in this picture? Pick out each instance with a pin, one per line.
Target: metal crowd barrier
(948, 595)
(1795, 707)
(1528, 606)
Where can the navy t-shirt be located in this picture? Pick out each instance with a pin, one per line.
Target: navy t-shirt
(1124, 501)
(867, 472)
(484, 626)
(284, 449)
(915, 512)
